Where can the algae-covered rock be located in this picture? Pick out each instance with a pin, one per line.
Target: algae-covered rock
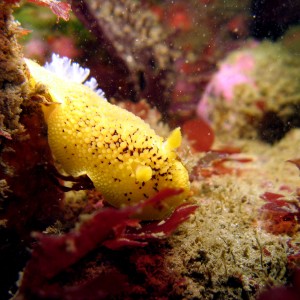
(255, 93)
(12, 89)
(237, 244)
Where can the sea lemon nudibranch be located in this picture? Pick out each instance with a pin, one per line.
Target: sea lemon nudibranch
(125, 159)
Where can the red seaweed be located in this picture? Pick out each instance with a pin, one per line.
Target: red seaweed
(228, 150)
(295, 162)
(216, 165)
(154, 230)
(60, 9)
(109, 227)
(33, 201)
(199, 133)
(279, 215)
(294, 254)
(284, 292)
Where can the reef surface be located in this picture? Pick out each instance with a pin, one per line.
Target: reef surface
(237, 236)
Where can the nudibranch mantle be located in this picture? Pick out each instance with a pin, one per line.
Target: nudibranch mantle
(125, 159)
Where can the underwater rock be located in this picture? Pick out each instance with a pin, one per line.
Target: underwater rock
(240, 240)
(28, 198)
(137, 45)
(236, 245)
(254, 94)
(12, 77)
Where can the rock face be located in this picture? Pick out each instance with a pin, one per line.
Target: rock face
(243, 238)
(254, 94)
(237, 244)
(23, 154)
(12, 77)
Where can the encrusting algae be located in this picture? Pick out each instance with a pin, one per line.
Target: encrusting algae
(125, 159)
(240, 239)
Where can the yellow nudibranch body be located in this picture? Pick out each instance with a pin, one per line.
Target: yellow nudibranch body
(125, 159)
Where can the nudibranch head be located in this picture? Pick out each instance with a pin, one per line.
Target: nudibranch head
(126, 160)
